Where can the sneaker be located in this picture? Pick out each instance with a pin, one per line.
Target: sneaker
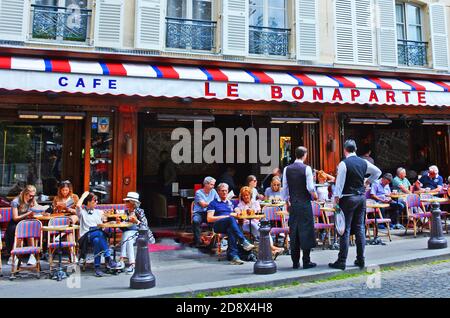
(399, 227)
(130, 269)
(120, 265)
(247, 246)
(31, 260)
(381, 226)
(111, 264)
(99, 273)
(236, 261)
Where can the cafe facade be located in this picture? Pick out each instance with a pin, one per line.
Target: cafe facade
(103, 122)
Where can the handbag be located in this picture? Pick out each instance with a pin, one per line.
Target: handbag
(339, 220)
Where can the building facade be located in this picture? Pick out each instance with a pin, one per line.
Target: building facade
(91, 90)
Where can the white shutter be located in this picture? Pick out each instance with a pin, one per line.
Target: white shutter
(13, 19)
(235, 27)
(344, 37)
(364, 31)
(109, 23)
(150, 24)
(307, 30)
(439, 38)
(387, 34)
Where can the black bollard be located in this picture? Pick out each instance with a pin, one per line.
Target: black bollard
(143, 277)
(437, 239)
(265, 263)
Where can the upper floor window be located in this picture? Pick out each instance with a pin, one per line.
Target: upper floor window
(412, 51)
(190, 25)
(61, 20)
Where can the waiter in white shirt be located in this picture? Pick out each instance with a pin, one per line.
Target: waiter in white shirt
(349, 193)
(298, 186)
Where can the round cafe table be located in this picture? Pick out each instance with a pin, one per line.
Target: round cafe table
(434, 199)
(113, 225)
(397, 195)
(375, 205)
(250, 218)
(270, 204)
(59, 273)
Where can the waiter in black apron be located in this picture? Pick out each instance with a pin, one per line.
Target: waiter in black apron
(349, 193)
(298, 187)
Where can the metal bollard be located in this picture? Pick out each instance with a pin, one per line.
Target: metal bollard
(265, 263)
(143, 277)
(437, 239)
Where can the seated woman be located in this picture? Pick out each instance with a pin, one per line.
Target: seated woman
(22, 207)
(89, 219)
(65, 201)
(245, 204)
(274, 192)
(137, 216)
(322, 191)
(252, 183)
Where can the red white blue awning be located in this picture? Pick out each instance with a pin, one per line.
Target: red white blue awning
(94, 77)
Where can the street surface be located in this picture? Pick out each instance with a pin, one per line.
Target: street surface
(419, 281)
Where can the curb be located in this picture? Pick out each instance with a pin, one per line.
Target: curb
(303, 279)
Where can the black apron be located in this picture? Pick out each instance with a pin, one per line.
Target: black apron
(301, 224)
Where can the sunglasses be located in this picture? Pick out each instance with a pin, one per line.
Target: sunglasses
(31, 196)
(65, 182)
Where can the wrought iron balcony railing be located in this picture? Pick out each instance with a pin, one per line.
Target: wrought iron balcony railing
(190, 34)
(60, 23)
(412, 53)
(269, 41)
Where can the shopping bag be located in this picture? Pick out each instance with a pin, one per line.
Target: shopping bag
(339, 220)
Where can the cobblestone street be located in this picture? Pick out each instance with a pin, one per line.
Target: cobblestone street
(421, 281)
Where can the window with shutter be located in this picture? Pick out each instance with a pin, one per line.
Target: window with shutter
(235, 27)
(307, 30)
(190, 25)
(268, 34)
(149, 28)
(354, 32)
(109, 23)
(13, 19)
(439, 37)
(387, 37)
(60, 20)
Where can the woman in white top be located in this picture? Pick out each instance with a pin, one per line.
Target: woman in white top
(275, 190)
(252, 182)
(247, 204)
(90, 218)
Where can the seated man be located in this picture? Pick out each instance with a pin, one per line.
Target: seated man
(380, 192)
(220, 212)
(203, 198)
(430, 180)
(400, 182)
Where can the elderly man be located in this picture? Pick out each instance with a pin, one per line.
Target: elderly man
(380, 192)
(220, 212)
(203, 198)
(400, 182)
(431, 180)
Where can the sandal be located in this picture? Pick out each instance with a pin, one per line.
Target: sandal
(278, 252)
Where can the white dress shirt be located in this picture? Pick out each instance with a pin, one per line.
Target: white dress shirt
(309, 181)
(374, 172)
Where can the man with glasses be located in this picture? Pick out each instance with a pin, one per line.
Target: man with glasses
(203, 198)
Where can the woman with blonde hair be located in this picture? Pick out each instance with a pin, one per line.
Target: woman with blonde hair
(247, 204)
(65, 201)
(21, 210)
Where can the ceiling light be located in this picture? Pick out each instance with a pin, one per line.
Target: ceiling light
(51, 116)
(435, 122)
(370, 121)
(175, 117)
(294, 120)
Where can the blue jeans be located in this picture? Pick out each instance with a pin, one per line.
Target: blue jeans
(98, 240)
(197, 219)
(395, 211)
(230, 227)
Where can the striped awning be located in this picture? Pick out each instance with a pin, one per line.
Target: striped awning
(94, 77)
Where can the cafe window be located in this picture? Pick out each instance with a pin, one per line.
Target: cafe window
(30, 154)
(101, 157)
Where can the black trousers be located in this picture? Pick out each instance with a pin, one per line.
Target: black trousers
(354, 208)
(301, 231)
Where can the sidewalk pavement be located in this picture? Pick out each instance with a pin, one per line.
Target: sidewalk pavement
(187, 272)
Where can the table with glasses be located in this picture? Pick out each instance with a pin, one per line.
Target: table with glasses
(114, 226)
(59, 273)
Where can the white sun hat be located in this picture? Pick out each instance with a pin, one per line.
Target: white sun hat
(132, 196)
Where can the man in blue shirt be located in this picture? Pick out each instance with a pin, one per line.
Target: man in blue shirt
(202, 199)
(380, 192)
(431, 180)
(220, 212)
